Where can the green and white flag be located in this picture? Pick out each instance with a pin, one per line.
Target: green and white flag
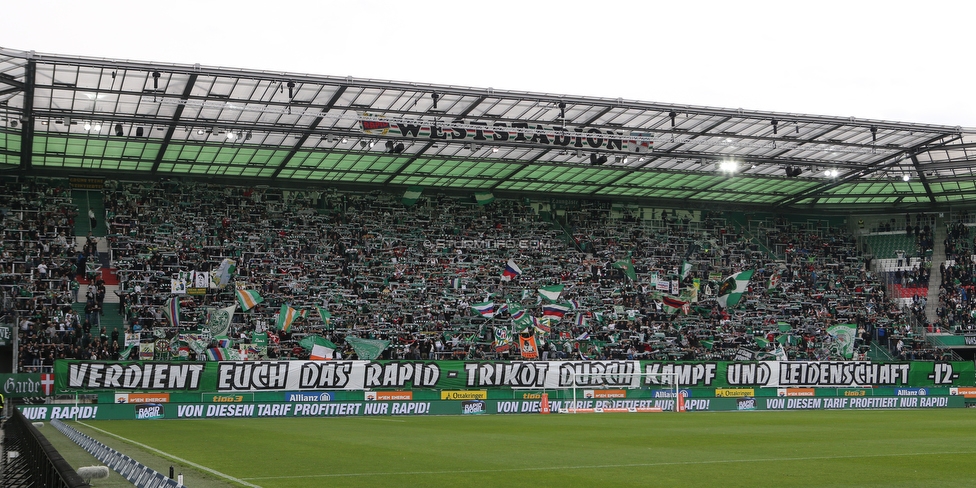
(484, 197)
(732, 289)
(367, 349)
(551, 293)
(843, 335)
(219, 322)
(685, 269)
(412, 195)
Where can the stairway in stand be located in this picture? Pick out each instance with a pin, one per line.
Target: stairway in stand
(110, 318)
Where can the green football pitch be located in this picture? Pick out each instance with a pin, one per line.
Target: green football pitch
(796, 449)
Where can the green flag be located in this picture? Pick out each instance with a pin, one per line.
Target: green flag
(326, 318)
(627, 267)
(551, 293)
(412, 195)
(484, 197)
(367, 349)
(732, 288)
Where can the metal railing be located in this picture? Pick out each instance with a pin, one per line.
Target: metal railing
(36, 462)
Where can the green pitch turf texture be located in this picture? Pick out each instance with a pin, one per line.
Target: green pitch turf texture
(748, 449)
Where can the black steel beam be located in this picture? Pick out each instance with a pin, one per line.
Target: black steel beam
(173, 123)
(309, 130)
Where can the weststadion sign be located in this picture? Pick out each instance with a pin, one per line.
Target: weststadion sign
(518, 132)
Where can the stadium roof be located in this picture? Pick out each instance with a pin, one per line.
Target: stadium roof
(64, 115)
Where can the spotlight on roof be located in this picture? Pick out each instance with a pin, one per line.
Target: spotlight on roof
(88, 126)
(494, 149)
(97, 127)
(906, 177)
(597, 160)
(728, 166)
(231, 136)
(118, 130)
(793, 171)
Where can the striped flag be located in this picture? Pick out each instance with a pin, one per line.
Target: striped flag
(511, 271)
(172, 312)
(286, 316)
(673, 303)
(485, 308)
(320, 348)
(223, 354)
(580, 320)
(554, 310)
(248, 299)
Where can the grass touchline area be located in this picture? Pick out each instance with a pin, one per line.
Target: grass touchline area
(807, 449)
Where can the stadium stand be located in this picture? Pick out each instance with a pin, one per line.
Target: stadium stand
(411, 274)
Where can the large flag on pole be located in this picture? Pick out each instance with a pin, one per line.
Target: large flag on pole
(286, 316)
(172, 312)
(551, 293)
(511, 271)
(248, 299)
(732, 288)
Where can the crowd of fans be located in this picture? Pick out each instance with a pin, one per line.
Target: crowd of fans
(410, 275)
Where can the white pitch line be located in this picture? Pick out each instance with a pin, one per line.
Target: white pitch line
(601, 466)
(174, 458)
(384, 420)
